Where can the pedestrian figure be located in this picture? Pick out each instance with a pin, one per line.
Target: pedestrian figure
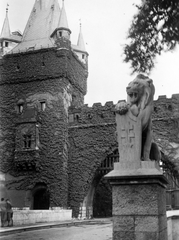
(3, 212)
(9, 213)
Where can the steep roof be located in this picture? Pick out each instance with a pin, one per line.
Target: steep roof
(63, 22)
(81, 43)
(43, 20)
(80, 47)
(6, 33)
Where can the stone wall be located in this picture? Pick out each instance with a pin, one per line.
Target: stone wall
(172, 225)
(92, 137)
(22, 217)
(53, 76)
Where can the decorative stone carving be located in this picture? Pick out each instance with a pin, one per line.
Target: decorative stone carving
(133, 117)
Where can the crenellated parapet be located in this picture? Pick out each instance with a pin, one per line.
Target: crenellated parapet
(164, 108)
(97, 114)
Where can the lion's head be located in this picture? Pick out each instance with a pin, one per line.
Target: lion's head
(140, 91)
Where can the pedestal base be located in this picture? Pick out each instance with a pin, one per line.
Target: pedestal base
(139, 206)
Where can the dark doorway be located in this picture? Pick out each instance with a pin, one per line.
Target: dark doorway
(102, 202)
(41, 199)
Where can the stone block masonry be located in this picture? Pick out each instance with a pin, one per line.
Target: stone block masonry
(139, 210)
(22, 217)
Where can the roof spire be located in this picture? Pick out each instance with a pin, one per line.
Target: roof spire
(7, 8)
(6, 33)
(42, 21)
(63, 22)
(81, 43)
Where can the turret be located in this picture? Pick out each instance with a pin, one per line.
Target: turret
(80, 48)
(8, 40)
(62, 31)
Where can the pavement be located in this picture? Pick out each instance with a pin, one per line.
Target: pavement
(31, 227)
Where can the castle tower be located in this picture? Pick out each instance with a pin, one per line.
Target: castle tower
(8, 40)
(39, 79)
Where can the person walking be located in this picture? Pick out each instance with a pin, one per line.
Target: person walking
(9, 213)
(3, 212)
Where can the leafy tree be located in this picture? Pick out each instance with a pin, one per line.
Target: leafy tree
(155, 28)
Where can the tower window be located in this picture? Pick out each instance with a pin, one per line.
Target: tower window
(42, 106)
(27, 141)
(17, 67)
(20, 108)
(60, 34)
(83, 56)
(1, 44)
(6, 44)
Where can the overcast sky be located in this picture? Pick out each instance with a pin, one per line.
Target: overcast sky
(105, 24)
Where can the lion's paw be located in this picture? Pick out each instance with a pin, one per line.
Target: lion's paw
(121, 108)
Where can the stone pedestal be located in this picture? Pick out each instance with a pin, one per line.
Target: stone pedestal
(139, 202)
(139, 208)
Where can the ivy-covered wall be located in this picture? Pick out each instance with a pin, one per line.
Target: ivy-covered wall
(69, 139)
(52, 77)
(92, 137)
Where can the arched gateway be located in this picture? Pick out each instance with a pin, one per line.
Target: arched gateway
(40, 197)
(90, 206)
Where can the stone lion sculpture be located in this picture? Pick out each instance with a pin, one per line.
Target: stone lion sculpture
(140, 94)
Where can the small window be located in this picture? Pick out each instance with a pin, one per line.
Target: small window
(27, 141)
(60, 34)
(17, 67)
(77, 117)
(42, 106)
(83, 56)
(6, 44)
(1, 44)
(20, 108)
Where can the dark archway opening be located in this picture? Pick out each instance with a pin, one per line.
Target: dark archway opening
(102, 202)
(41, 197)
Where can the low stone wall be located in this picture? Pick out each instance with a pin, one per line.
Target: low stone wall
(26, 216)
(173, 224)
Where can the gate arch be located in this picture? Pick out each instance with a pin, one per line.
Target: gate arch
(86, 208)
(40, 197)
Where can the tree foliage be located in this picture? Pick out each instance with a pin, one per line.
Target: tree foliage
(155, 28)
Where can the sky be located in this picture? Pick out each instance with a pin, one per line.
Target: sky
(105, 26)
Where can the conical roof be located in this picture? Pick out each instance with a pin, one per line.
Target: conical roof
(81, 43)
(63, 22)
(6, 33)
(43, 20)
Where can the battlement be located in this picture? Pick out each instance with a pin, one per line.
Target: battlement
(99, 114)
(164, 97)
